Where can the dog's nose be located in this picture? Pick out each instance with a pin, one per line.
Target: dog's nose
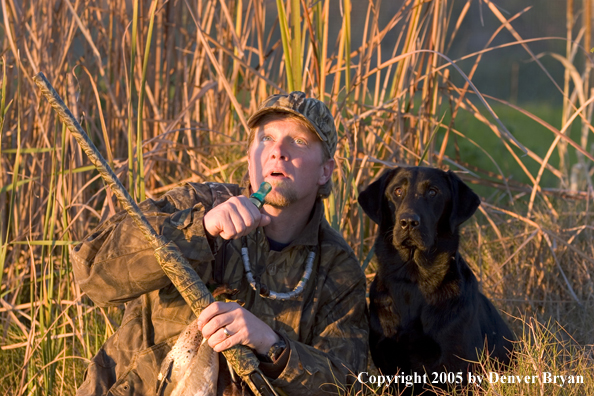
(409, 220)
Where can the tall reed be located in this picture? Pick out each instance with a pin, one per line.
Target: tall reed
(164, 89)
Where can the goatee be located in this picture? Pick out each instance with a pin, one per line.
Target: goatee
(282, 196)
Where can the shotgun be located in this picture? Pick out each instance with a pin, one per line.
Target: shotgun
(176, 267)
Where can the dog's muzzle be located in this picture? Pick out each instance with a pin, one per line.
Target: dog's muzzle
(409, 221)
(409, 232)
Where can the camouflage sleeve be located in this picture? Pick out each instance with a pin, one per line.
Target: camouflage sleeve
(115, 263)
(338, 350)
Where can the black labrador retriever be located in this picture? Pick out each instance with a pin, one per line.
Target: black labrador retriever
(427, 314)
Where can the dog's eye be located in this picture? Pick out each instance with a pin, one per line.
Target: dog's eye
(398, 191)
(432, 192)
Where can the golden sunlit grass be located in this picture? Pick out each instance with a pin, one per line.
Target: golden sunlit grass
(164, 89)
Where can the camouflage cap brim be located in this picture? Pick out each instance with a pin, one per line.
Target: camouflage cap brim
(312, 111)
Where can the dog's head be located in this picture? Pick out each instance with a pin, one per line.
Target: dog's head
(419, 205)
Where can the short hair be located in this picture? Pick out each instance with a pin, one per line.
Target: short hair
(323, 191)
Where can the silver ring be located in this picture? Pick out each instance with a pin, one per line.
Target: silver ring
(227, 334)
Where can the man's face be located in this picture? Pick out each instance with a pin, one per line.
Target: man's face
(290, 157)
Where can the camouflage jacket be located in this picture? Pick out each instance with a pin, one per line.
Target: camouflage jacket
(326, 326)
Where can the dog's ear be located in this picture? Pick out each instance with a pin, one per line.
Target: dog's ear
(372, 197)
(464, 201)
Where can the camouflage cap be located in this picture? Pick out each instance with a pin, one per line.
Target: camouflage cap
(312, 111)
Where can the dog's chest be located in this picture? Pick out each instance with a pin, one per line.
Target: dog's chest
(397, 307)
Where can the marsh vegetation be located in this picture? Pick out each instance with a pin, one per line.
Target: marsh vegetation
(164, 89)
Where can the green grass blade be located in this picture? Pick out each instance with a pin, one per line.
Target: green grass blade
(347, 45)
(131, 162)
(296, 52)
(324, 54)
(15, 175)
(3, 101)
(32, 150)
(139, 132)
(284, 28)
(49, 242)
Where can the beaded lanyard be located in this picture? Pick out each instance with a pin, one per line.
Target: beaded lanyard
(267, 293)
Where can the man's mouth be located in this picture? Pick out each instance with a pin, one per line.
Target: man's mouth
(275, 175)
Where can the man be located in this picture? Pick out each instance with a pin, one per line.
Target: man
(302, 289)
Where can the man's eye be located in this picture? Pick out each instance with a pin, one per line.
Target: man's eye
(266, 138)
(300, 141)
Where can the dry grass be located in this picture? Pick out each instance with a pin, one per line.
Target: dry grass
(166, 99)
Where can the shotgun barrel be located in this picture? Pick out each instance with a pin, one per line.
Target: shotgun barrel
(176, 267)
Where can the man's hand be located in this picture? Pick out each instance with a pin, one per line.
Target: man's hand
(243, 327)
(234, 218)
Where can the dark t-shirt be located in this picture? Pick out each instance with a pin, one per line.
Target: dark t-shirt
(277, 246)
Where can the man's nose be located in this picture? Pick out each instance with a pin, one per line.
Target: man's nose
(279, 150)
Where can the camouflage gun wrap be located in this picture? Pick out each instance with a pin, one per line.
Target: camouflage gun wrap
(176, 267)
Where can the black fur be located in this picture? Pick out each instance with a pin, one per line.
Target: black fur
(427, 314)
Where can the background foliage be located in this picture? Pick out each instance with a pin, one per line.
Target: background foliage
(164, 89)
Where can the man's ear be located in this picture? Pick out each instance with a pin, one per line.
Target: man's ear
(327, 169)
(372, 198)
(464, 201)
